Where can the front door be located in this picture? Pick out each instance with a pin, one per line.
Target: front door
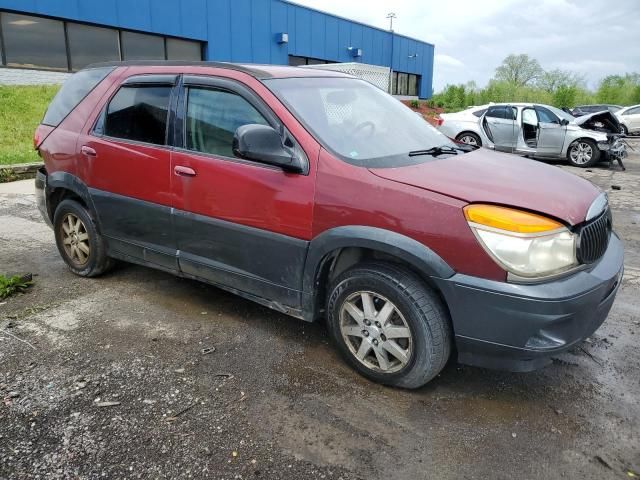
(499, 123)
(551, 132)
(242, 224)
(127, 162)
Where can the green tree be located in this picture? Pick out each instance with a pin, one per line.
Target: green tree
(552, 80)
(519, 70)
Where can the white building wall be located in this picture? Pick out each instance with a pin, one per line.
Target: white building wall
(19, 76)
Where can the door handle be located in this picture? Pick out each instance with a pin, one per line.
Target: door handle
(184, 171)
(88, 151)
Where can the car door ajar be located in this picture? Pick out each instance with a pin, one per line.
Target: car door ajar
(551, 132)
(241, 224)
(128, 162)
(499, 123)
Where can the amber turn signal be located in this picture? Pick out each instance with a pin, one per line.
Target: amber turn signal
(509, 219)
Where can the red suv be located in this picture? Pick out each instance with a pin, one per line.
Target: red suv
(318, 195)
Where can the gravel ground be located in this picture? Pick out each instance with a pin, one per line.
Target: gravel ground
(106, 378)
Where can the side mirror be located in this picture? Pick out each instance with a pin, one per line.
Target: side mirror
(564, 122)
(262, 143)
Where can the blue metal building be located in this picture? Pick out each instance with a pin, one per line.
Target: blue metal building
(64, 35)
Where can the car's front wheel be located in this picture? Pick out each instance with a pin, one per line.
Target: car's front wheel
(583, 153)
(81, 246)
(389, 325)
(624, 129)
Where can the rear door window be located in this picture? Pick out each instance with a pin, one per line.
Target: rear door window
(213, 116)
(504, 112)
(139, 113)
(73, 91)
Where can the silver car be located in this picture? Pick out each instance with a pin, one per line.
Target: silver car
(629, 118)
(545, 132)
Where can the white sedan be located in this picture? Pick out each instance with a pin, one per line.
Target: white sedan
(629, 118)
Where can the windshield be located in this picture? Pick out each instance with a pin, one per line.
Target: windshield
(358, 121)
(561, 113)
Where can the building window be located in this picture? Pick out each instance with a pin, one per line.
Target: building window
(183, 50)
(89, 45)
(139, 114)
(296, 61)
(33, 42)
(139, 46)
(406, 84)
(28, 41)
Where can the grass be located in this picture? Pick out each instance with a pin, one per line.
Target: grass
(21, 109)
(11, 285)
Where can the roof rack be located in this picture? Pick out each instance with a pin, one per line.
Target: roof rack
(255, 72)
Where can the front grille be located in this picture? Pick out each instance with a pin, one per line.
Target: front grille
(594, 238)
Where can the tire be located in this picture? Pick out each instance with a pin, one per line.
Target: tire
(416, 308)
(624, 129)
(583, 153)
(469, 138)
(80, 245)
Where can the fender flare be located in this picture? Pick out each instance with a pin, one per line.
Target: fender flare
(74, 184)
(421, 257)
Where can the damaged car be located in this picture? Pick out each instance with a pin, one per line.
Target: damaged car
(545, 132)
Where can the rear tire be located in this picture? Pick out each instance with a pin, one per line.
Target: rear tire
(583, 153)
(469, 138)
(389, 325)
(80, 245)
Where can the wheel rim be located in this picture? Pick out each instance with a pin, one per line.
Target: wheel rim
(469, 140)
(75, 239)
(376, 332)
(581, 153)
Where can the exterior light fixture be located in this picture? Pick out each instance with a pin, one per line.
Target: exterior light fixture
(282, 37)
(355, 52)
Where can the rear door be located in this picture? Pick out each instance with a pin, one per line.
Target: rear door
(499, 123)
(128, 164)
(242, 224)
(551, 133)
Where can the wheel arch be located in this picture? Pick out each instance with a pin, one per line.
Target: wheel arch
(336, 250)
(62, 186)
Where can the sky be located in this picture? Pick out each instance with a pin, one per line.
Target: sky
(594, 38)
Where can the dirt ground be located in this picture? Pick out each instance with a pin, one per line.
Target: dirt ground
(273, 400)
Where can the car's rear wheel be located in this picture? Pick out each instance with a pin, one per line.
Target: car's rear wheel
(469, 138)
(389, 325)
(583, 153)
(79, 243)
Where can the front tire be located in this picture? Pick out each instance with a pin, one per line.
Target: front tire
(583, 153)
(624, 129)
(389, 325)
(81, 246)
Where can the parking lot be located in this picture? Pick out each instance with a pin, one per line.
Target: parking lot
(140, 374)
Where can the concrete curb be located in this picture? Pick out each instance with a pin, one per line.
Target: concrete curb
(21, 171)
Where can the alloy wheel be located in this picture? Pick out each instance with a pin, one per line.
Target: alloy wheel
(376, 332)
(469, 140)
(581, 153)
(75, 239)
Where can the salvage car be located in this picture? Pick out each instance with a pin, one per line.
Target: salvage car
(318, 195)
(463, 126)
(629, 118)
(581, 110)
(545, 132)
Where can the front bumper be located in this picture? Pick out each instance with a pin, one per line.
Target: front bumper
(519, 327)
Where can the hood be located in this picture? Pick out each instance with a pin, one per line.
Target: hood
(491, 177)
(604, 121)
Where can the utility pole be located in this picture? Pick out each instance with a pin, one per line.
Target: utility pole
(391, 16)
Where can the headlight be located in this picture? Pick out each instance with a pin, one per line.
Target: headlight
(525, 244)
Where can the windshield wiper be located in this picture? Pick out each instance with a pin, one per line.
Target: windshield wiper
(441, 150)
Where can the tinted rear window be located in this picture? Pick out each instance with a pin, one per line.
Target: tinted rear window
(72, 93)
